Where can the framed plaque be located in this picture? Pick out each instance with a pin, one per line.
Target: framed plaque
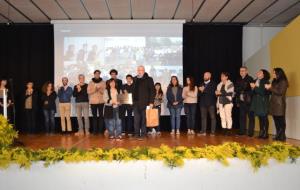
(125, 98)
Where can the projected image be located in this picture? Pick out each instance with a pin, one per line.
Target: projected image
(161, 56)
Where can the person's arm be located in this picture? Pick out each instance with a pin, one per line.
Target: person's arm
(75, 91)
(280, 89)
(151, 89)
(106, 98)
(184, 92)
(91, 89)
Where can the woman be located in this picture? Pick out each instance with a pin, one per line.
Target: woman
(277, 107)
(49, 106)
(158, 100)
(30, 105)
(175, 104)
(189, 94)
(260, 101)
(225, 92)
(113, 112)
(3, 87)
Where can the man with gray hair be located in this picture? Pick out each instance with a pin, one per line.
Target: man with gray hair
(82, 105)
(143, 96)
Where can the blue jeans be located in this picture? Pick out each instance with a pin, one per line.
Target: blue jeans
(49, 120)
(190, 112)
(114, 125)
(175, 117)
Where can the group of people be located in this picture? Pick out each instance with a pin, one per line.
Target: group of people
(254, 97)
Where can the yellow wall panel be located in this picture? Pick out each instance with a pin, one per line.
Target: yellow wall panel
(285, 53)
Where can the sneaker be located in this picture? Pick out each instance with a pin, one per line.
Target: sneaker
(111, 137)
(158, 133)
(192, 132)
(172, 132)
(79, 133)
(177, 132)
(189, 132)
(201, 134)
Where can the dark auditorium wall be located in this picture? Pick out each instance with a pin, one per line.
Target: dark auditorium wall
(27, 53)
(215, 48)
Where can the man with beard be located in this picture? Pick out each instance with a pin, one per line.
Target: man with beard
(207, 103)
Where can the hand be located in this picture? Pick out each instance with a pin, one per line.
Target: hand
(151, 106)
(218, 93)
(201, 88)
(46, 102)
(252, 85)
(78, 87)
(175, 103)
(267, 86)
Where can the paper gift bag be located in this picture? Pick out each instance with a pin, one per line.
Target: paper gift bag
(152, 118)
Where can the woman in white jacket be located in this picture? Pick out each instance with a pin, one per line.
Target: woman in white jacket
(225, 92)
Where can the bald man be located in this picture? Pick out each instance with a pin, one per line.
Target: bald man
(207, 103)
(143, 96)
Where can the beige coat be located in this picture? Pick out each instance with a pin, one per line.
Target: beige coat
(95, 92)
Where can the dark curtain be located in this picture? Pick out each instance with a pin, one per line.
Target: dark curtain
(214, 48)
(26, 54)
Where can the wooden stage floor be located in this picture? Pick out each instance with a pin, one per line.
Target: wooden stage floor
(100, 141)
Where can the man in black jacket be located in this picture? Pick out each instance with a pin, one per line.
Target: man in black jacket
(143, 96)
(243, 100)
(207, 103)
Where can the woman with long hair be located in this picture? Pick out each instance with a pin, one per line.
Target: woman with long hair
(49, 107)
(112, 110)
(277, 107)
(189, 94)
(260, 101)
(175, 104)
(158, 100)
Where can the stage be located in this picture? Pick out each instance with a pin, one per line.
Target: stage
(41, 141)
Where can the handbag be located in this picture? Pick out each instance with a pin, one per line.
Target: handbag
(152, 118)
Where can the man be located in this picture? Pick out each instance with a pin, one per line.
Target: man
(114, 74)
(128, 108)
(207, 103)
(243, 98)
(64, 96)
(95, 91)
(143, 96)
(82, 105)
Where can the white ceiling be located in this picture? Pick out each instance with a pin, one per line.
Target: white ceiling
(273, 12)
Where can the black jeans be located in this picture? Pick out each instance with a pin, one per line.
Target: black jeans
(212, 114)
(139, 121)
(263, 125)
(190, 112)
(280, 125)
(30, 120)
(127, 121)
(98, 121)
(244, 112)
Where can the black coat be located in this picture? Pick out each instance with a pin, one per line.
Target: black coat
(143, 91)
(208, 96)
(81, 96)
(48, 102)
(243, 89)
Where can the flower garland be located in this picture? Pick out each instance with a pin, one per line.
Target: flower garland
(173, 157)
